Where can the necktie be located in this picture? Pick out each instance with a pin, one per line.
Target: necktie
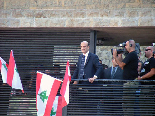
(82, 67)
(113, 72)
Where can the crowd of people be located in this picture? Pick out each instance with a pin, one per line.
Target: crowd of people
(90, 67)
(130, 68)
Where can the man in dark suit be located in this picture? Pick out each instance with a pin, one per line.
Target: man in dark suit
(88, 66)
(114, 72)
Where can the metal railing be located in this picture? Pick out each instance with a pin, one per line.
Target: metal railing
(105, 98)
(112, 97)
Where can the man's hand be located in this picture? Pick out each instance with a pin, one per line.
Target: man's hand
(75, 82)
(118, 59)
(91, 80)
(139, 78)
(114, 53)
(119, 56)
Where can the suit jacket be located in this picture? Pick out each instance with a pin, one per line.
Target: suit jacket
(118, 74)
(92, 67)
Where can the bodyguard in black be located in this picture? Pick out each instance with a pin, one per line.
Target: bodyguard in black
(130, 72)
(130, 69)
(129, 63)
(148, 71)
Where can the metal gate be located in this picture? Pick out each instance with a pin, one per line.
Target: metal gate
(47, 51)
(112, 98)
(44, 50)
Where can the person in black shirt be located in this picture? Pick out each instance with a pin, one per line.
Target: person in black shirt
(129, 63)
(148, 71)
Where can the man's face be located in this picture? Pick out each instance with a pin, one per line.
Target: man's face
(139, 66)
(84, 47)
(148, 52)
(127, 46)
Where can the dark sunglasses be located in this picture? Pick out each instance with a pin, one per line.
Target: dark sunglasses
(147, 49)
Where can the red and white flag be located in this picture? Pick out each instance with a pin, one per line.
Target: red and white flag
(46, 90)
(57, 107)
(13, 78)
(4, 70)
(65, 86)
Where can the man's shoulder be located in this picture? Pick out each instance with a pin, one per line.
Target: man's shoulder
(92, 54)
(108, 69)
(119, 68)
(152, 60)
(133, 53)
(80, 55)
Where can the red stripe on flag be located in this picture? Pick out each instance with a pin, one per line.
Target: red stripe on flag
(64, 85)
(59, 107)
(51, 97)
(63, 90)
(11, 67)
(38, 81)
(7, 65)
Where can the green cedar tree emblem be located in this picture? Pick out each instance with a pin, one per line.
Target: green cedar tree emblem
(5, 66)
(52, 112)
(43, 96)
(16, 69)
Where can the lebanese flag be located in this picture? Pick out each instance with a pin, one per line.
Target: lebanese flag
(46, 90)
(65, 86)
(13, 78)
(57, 107)
(4, 70)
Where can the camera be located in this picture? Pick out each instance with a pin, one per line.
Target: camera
(122, 44)
(120, 48)
(119, 51)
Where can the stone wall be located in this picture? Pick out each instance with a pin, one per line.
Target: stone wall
(104, 53)
(76, 13)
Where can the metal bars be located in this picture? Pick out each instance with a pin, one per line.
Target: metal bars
(112, 98)
(36, 49)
